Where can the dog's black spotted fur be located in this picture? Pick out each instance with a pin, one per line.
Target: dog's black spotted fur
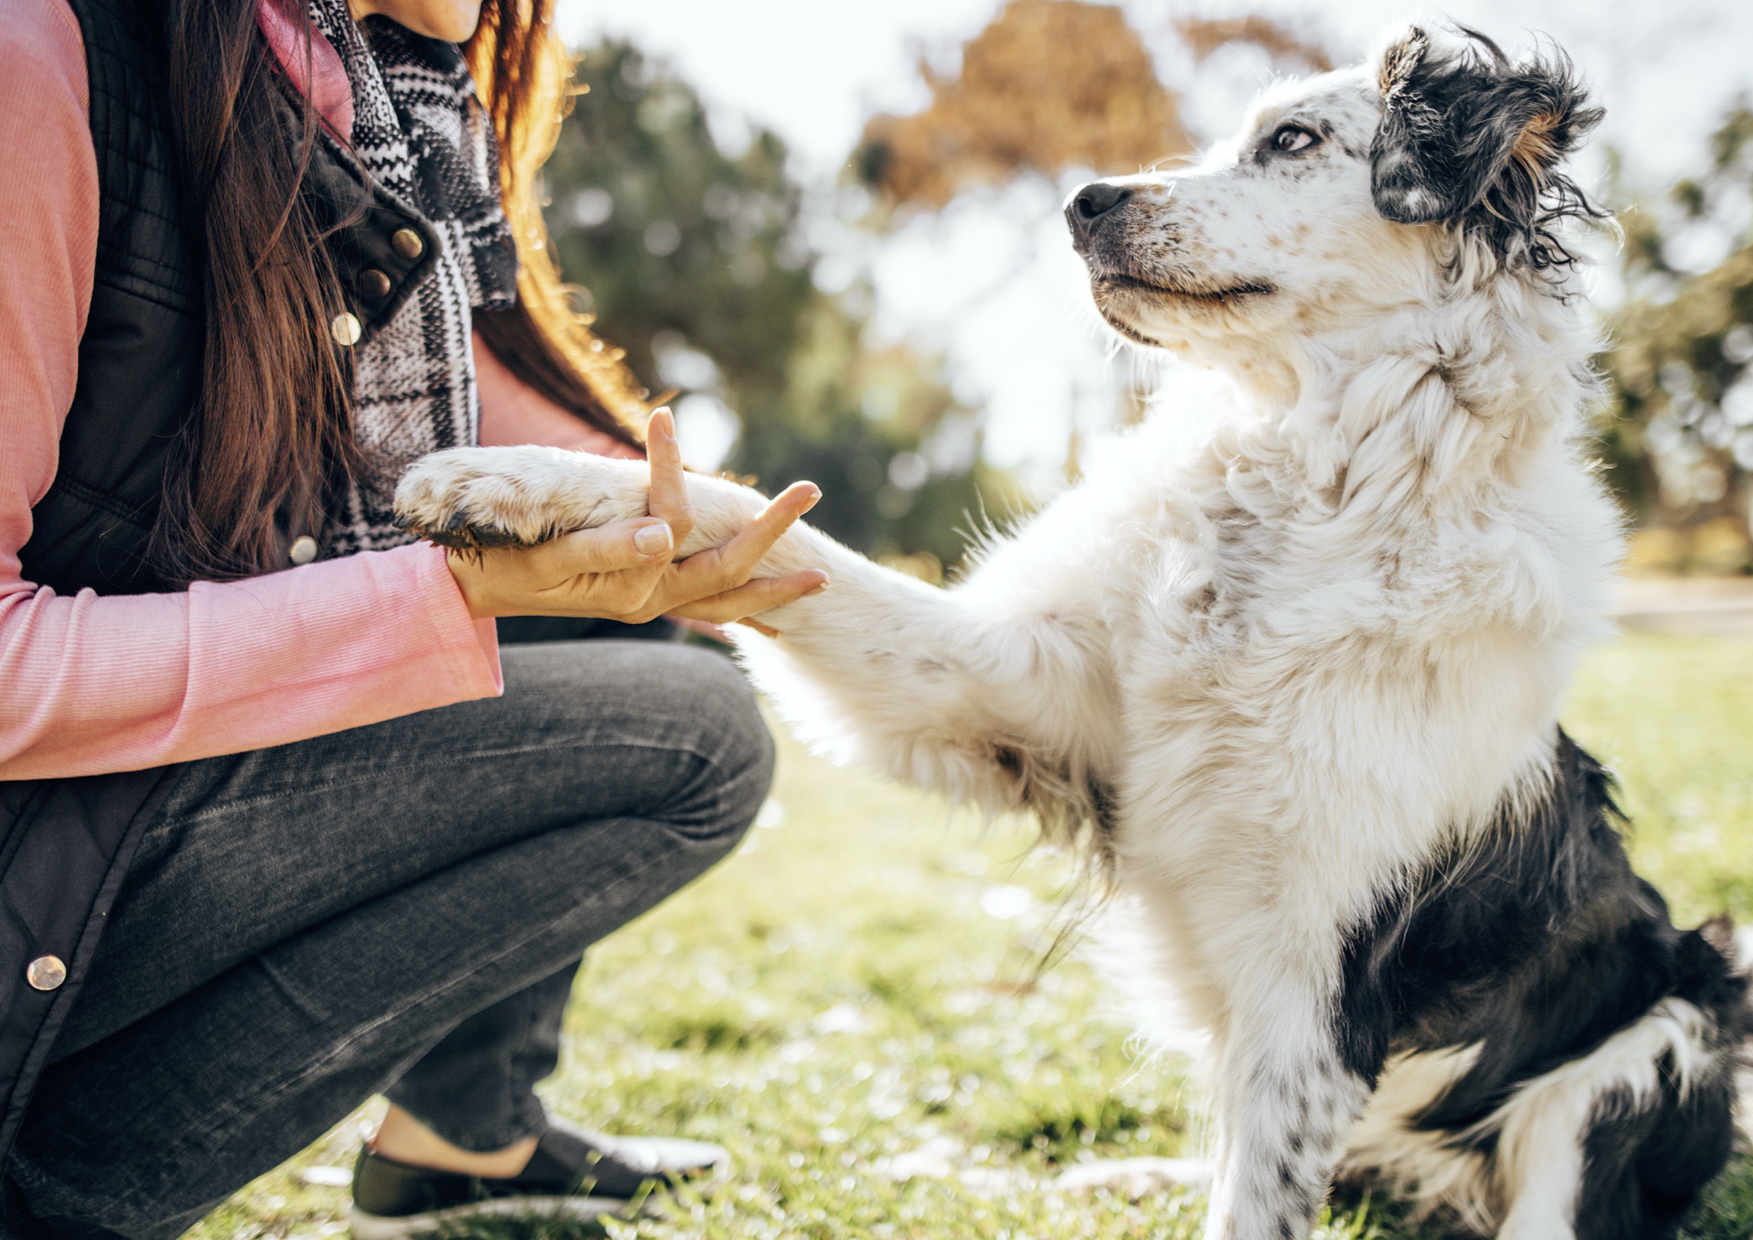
(1539, 943)
(1471, 138)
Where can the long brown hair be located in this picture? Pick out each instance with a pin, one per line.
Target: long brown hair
(272, 441)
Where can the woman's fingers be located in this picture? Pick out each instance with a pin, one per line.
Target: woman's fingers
(762, 594)
(600, 572)
(642, 543)
(727, 567)
(741, 554)
(669, 486)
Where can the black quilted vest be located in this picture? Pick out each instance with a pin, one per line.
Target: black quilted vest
(65, 843)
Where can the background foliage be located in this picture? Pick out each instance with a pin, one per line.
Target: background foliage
(694, 260)
(1680, 429)
(1049, 84)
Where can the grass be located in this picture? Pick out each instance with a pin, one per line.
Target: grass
(852, 1005)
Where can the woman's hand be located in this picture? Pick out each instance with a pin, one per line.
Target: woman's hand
(626, 571)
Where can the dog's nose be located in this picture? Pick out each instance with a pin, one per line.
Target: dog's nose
(1090, 204)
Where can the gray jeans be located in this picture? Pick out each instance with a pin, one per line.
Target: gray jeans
(399, 908)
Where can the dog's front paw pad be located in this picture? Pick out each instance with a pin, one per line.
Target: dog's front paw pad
(449, 499)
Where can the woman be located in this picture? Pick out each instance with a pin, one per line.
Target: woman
(280, 826)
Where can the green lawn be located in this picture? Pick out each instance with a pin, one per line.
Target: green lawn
(852, 1005)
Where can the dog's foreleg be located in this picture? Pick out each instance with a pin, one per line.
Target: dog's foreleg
(964, 691)
(948, 689)
(1285, 1106)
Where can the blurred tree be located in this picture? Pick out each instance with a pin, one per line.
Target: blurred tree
(1050, 85)
(1679, 441)
(1205, 35)
(692, 258)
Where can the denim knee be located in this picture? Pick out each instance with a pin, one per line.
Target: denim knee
(677, 726)
(741, 765)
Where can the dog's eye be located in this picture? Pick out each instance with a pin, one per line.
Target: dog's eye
(1293, 138)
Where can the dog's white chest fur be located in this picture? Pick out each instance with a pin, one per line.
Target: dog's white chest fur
(1299, 703)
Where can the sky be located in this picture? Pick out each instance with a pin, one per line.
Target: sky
(991, 283)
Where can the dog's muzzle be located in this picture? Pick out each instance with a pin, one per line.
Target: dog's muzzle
(1088, 207)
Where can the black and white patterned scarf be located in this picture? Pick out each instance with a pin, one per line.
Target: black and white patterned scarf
(423, 135)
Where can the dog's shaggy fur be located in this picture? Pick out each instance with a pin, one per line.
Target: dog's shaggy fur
(1289, 663)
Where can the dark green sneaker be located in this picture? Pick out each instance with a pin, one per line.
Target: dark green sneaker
(573, 1174)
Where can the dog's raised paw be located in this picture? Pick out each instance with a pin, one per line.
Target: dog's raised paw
(474, 499)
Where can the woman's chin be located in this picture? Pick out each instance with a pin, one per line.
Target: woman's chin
(453, 21)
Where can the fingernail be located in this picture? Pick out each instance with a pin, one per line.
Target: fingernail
(815, 498)
(651, 539)
(819, 588)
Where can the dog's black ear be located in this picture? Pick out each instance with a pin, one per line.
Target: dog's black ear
(1469, 136)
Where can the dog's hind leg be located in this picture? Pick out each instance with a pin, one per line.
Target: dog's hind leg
(1615, 1145)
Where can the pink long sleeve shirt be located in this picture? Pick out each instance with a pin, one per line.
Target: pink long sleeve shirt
(90, 684)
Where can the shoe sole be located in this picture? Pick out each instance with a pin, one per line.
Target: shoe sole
(581, 1209)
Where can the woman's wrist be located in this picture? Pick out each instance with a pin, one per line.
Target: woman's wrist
(467, 586)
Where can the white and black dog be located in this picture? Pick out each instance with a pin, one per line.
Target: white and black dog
(1289, 663)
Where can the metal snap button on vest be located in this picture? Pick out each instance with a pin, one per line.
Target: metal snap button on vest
(374, 283)
(346, 330)
(407, 243)
(45, 973)
(303, 549)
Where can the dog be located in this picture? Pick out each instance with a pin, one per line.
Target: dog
(1287, 664)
